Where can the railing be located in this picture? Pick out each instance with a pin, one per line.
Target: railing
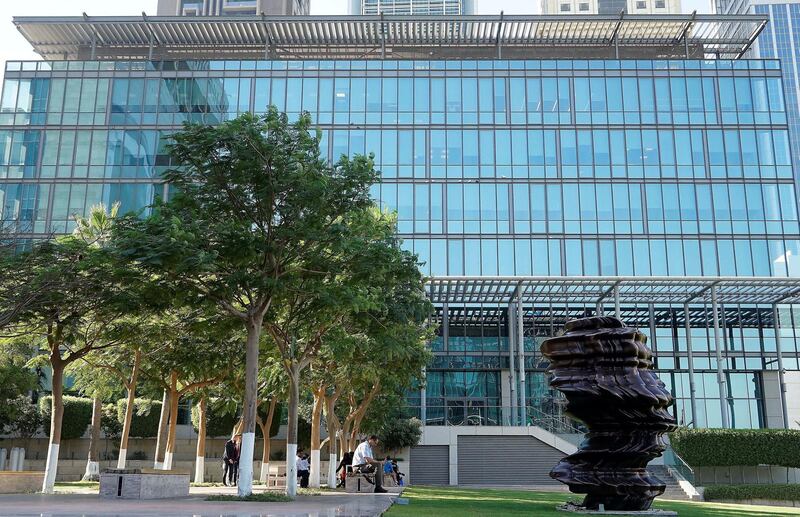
(672, 460)
(458, 414)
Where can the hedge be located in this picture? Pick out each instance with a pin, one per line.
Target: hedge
(216, 424)
(77, 416)
(146, 414)
(737, 447)
(746, 492)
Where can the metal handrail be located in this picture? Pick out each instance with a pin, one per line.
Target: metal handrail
(674, 461)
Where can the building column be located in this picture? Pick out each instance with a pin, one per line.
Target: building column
(423, 398)
(523, 407)
(781, 373)
(692, 389)
(723, 385)
(617, 312)
(512, 415)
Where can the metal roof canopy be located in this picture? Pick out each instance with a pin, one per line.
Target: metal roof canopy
(376, 37)
(587, 290)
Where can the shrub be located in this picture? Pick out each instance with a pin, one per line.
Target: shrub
(112, 428)
(218, 422)
(77, 416)
(146, 414)
(745, 492)
(401, 433)
(739, 447)
(27, 419)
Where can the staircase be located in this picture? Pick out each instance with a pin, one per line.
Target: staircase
(678, 489)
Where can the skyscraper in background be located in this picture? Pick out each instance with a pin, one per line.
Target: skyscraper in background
(232, 7)
(611, 6)
(444, 7)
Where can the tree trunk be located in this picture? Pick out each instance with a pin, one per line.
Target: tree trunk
(264, 477)
(316, 417)
(333, 428)
(173, 421)
(200, 460)
(57, 415)
(161, 439)
(247, 451)
(291, 431)
(126, 424)
(92, 464)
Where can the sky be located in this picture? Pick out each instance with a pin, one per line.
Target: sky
(14, 47)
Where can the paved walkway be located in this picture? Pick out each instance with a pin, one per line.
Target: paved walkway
(334, 504)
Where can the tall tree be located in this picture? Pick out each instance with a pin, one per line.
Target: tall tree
(357, 278)
(253, 202)
(79, 293)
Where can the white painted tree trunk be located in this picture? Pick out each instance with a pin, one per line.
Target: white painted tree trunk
(123, 458)
(200, 469)
(167, 461)
(50, 469)
(332, 463)
(313, 480)
(245, 485)
(291, 469)
(92, 471)
(264, 477)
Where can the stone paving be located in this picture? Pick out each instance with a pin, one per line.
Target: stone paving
(327, 504)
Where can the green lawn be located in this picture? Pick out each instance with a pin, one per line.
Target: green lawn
(444, 502)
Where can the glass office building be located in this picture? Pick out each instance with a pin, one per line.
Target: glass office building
(439, 7)
(508, 174)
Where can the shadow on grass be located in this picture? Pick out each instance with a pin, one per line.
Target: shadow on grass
(444, 502)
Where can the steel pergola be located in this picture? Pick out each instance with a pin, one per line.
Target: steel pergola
(382, 36)
(514, 293)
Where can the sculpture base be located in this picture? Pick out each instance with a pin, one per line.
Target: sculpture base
(576, 508)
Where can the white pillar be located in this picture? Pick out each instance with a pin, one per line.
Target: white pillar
(12, 463)
(692, 389)
(523, 406)
(617, 312)
(781, 373)
(2, 459)
(723, 389)
(21, 459)
(245, 485)
(512, 333)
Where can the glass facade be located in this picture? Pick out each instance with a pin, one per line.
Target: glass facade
(781, 40)
(495, 167)
(436, 7)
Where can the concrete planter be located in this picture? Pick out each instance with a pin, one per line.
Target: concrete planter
(24, 482)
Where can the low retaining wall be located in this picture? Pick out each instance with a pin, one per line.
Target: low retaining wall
(745, 475)
(759, 502)
(24, 482)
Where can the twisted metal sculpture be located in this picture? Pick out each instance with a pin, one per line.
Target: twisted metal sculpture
(605, 371)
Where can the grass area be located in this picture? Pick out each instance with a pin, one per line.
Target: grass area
(263, 497)
(73, 484)
(456, 502)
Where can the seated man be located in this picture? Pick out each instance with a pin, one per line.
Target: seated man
(364, 461)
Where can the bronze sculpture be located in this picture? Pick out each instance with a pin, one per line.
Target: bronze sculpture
(605, 370)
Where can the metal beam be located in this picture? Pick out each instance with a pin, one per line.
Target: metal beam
(781, 373)
(723, 390)
(690, 357)
(523, 407)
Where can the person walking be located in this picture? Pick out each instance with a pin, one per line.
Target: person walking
(302, 469)
(230, 461)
